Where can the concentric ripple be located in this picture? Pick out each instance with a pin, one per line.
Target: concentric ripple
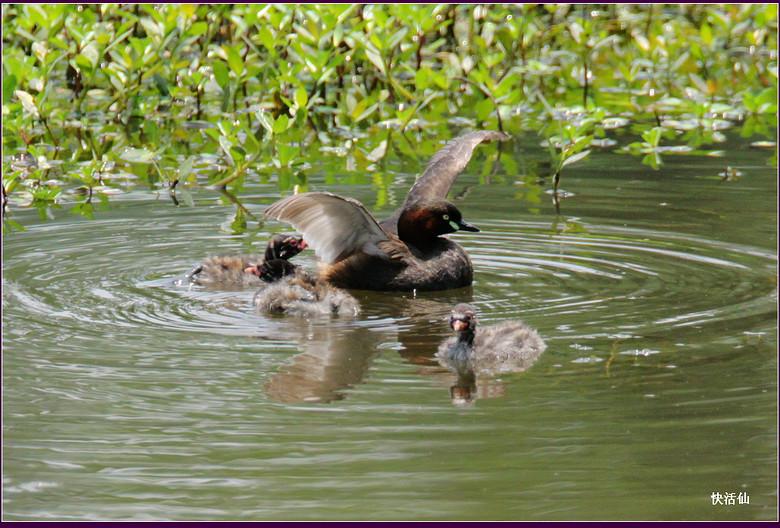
(114, 375)
(595, 282)
(625, 280)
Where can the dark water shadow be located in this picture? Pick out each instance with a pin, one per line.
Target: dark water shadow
(336, 357)
(332, 360)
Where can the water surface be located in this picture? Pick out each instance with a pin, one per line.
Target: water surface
(128, 397)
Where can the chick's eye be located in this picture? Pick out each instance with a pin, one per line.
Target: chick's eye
(446, 217)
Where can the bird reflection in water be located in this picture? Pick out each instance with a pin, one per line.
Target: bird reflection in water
(333, 359)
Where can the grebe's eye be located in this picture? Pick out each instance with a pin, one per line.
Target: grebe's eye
(446, 217)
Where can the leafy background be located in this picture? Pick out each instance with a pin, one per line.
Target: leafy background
(99, 99)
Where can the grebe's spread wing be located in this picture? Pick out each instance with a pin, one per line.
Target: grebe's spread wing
(443, 169)
(447, 164)
(333, 225)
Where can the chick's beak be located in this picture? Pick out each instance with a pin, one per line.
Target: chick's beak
(459, 325)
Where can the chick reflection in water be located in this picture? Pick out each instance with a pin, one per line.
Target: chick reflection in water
(475, 353)
(332, 359)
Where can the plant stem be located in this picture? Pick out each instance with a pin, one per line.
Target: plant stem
(488, 95)
(236, 173)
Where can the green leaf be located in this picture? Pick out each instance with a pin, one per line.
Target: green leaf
(152, 132)
(578, 144)
(653, 136)
(301, 97)
(405, 115)
(238, 225)
(367, 112)
(576, 31)
(422, 78)
(161, 83)
(768, 95)
(152, 11)
(379, 152)
(376, 60)
(136, 155)
(152, 29)
(696, 50)
(83, 63)
(483, 109)
(338, 35)
(234, 60)
(187, 10)
(186, 195)
(700, 83)
(706, 34)
(198, 29)
(85, 209)
(266, 120)
(652, 159)
(186, 168)
(9, 85)
(281, 124)
(27, 102)
(266, 37)
(641, 40)
(225, 99)
(37, 14)
(91, 53)
(285, 154)
(226, 145)
(13, 223)
(221, 73)
(575, 158)
(400, 89)
(506, 85)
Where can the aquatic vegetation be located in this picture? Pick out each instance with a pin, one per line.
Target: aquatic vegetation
(105, 97)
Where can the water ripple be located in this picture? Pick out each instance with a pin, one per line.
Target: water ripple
(624, 278)
(121, 274)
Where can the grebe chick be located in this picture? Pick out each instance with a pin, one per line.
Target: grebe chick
(291, 290)
(511, 346)
(229, 269)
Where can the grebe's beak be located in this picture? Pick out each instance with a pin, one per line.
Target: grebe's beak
(464, 226)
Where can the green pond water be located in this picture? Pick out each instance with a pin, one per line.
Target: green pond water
(129, 397)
